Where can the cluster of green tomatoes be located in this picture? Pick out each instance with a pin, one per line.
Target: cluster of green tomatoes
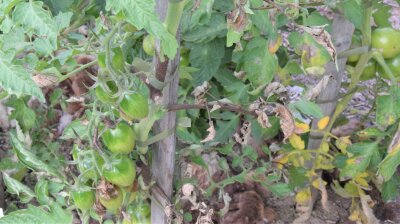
(384, 39)
(114, 165)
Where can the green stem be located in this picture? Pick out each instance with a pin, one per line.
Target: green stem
(354, 51)
(174, 14)
(381, 61)
(72, 73)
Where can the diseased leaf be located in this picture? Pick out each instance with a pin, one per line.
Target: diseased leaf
(141, 14)
(207, 58)
(323, 122)
(31, 160)
(389, 164)
(24, 193)
(308, 108)
(15, 80)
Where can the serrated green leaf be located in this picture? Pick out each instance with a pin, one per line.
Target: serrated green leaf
(390, 189)
(24, 193)
(308, 108)
(225, 129)
(238, 91)
(15, 80)
(57, 6)
(354, 11)
(297, 177)
(31, 160)
(9, 164)
(77, 127)
(63, 20)
(141, 14)
(215, 28)
(261, 20)
(25, 116)
(207, 58)
(42, 192)
(279, 189)
(37, 215)
(36, 20)
(202, 13)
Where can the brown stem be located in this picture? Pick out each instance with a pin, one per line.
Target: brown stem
(224, 106)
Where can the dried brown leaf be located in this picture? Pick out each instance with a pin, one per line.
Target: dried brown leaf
(367, 203)
(211, 133)
(244, 134)
(200, 91)
(274, 88)
(321, 85)
(44, 80)
(286, 120)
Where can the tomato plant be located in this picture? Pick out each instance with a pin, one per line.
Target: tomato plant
(120, 171)
(120, 139)
(259, 102)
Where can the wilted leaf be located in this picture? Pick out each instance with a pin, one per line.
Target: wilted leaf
(24, 193)
(211, 133)
(200, 91)
(314, 92)
(244, 135)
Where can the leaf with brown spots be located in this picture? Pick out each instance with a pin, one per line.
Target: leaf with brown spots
(286, 120)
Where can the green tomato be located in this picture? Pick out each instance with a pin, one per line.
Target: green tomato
(369, 71)
(107, 97)
(394, 65)
(139, 212)
(114, 203)
(381, 15)
(355, 42)
(121, 171)
(387, 40)
(121, 139)
(134, 106)
(149, 45)
(184, 61)
(84, 198)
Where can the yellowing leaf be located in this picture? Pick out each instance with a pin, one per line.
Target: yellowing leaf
(360, 179)
(355, 216)
(324, 147)
(316, 183)
(273, 46)
(342, 143)
(297, 142)
(303, 195)
(283, 159)
(301, 128)
(323, 122)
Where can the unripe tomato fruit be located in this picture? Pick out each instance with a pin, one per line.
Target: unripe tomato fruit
(84, 199)
(139, 212)
(184, 60)
(369, 71)
(149, 45)
(121, 171)
(121, 139)
(394, 65)
(114, 203)
(355, 42)
(104, 96)
(387, 40)
(135, 106)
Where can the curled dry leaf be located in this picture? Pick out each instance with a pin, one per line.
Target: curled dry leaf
(321, 85)
(44, 80)
(200, 91)
(107, 190)
(320, 185)
(239, 74)
(367, 203)
(322, 37)
(237, 19)
(274, 88)
(395, 141)
(211, 133)
(262, 109)
(286, 120)
(244, 134)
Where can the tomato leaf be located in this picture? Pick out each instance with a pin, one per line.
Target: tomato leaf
(308, 108)
(15, 80)
(37, 215)
(24, 193)
(207, 58)
(389, 164)
(215, 28)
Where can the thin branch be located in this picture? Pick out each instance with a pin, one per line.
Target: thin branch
(224, 106)
(72, 73)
